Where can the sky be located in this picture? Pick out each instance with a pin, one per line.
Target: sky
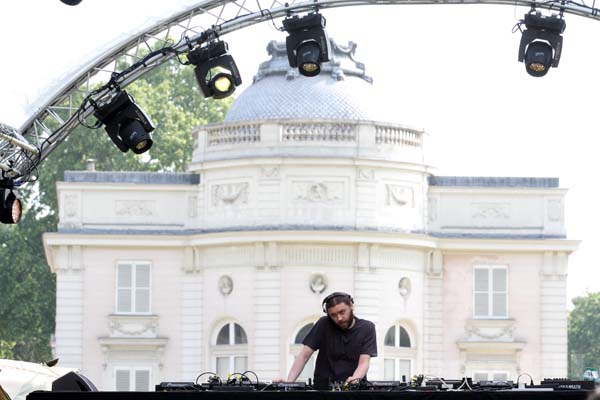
(449, 69)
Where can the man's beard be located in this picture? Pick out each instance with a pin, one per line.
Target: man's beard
(347, 324)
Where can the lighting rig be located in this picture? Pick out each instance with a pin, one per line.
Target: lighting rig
(541, 42)
(10, 205)
(307, 44)
(216, 71)
(126, 123)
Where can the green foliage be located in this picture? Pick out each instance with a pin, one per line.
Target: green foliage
(584, 332)
(170, 96)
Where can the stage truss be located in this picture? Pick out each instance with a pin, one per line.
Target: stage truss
(21, 151)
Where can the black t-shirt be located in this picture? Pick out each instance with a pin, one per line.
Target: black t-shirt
(340, 349)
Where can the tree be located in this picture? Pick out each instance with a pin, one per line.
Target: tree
(169, 95)
(584, 331)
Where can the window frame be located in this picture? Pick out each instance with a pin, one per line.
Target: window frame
(295, 348)
(132, 371)
(134, 264)
(489, 373)
(231, 350)
(398, 353)
(490, 292)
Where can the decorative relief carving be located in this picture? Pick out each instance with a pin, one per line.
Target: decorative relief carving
(71, 205)
(317, 283)
(399, 196)
(133, 326)
(555, 210)
(318, 192)
(225, 285)
(490, 211)
(269, 172)
(134, 208)
(404, 287)
(366, 174)
(230, 194)
(481, 330)
(318, 255)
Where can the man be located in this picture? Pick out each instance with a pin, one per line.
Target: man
(345, 343)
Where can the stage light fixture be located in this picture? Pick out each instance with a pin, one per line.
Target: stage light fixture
(307, 44)
(126, 124)
(541, 43)
(10, 206)
(216, 72)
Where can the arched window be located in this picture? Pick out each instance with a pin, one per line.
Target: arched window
(397, 336)
(296, 346)
(230, 350)
(399, 353)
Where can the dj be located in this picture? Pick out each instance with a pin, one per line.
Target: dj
(345, 343)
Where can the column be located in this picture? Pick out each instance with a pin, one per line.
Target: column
(432, 315)
(69, 306)
(191, 315)
(553, 317)
(267, 313)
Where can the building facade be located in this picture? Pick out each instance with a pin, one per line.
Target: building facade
(302, 191)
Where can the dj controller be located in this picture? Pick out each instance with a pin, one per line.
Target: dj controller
(243, 387)
(243, 383)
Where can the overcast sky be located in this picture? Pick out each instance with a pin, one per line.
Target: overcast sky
(449, 69)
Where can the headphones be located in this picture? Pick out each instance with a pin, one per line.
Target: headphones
(331, 296)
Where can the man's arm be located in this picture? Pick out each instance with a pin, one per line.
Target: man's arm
(300, 362)
(362, 368)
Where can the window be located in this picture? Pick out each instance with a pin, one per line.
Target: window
(132, 379)
(397, 336)
(230, 352)
(398, 354)
(490, 294)
(133, 288)
(309, 367)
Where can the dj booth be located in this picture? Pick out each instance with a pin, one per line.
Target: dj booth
(318, 395)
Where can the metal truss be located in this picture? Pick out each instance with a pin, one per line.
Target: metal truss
(21, 151)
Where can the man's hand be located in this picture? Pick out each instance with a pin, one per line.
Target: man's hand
(277, 380)
(352, 379)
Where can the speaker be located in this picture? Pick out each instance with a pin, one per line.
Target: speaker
(73, 382)
(332, 295)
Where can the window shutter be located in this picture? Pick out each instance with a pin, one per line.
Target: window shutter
(223, 367)
(124, 282)
(122, 380)
(480, 376)
(142, 288)
(389, 372)
(241, 364)
(142, 380)
(500, 376)
(481, 280)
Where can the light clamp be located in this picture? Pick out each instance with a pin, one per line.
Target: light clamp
(11, 208)
(126, 123)
(307, 44)
(541, 43)
(216, 71)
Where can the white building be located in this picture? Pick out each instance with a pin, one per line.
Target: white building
(305, 190)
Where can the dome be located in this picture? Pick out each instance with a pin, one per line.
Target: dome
(342, 91)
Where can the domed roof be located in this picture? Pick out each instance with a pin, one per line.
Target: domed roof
(341, 91)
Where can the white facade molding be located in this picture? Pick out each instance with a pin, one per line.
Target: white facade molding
(69, 269)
